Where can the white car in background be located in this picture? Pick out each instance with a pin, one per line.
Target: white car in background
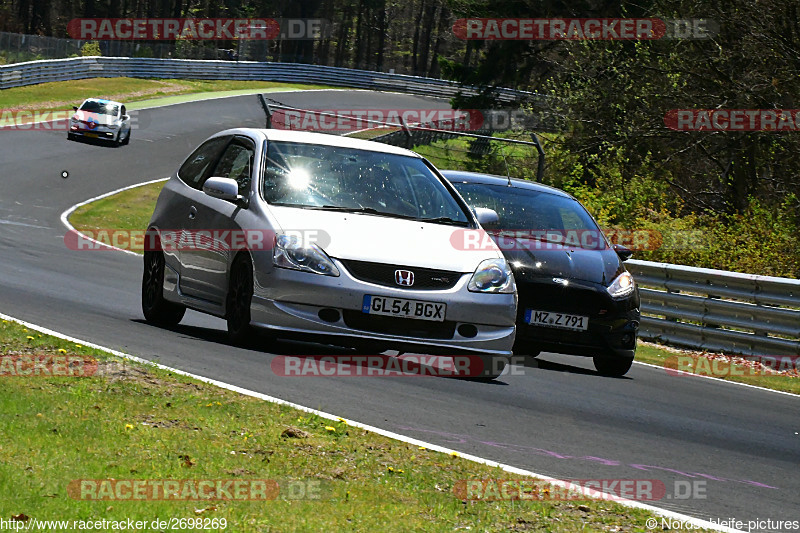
(100, 119)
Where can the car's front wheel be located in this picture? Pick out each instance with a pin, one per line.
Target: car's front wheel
(156, 309)
(240, 296)
(127, 138)
(613, 366)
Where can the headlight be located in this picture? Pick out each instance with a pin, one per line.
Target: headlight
(290, 252)
(622, 286)
(492, 275)
(113, 126)
(73, 120)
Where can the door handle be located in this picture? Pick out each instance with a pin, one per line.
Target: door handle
(192, 213)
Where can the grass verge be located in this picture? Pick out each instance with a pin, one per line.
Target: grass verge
(131, 421)
(131, 210)
(62, 95)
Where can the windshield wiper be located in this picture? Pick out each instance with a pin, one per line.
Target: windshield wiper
(365, 210)
(444, 220)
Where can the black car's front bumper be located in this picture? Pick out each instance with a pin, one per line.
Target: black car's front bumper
(613, 324)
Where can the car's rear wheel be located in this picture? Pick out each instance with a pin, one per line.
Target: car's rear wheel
(156, 309)
(613, 366)
(240, 296)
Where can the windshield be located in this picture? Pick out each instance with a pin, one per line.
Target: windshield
(527, 213)
(101, 108)
(332, 178)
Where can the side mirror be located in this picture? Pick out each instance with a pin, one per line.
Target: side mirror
(486, 216)
(223, 188)
(126, 117)
(623, 252)
(74, 108)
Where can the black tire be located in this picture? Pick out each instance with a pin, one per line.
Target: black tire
(70, 137)
(156, 309)
(118, 141)
(127, 138)
(240, 296)
(613, 366)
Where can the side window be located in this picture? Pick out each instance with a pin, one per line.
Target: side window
(237, 163)
(194, 170)
(124, 112)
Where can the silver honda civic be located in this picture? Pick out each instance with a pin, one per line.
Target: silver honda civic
(328, 239)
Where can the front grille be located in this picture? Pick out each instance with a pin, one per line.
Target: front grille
(549, 296)
(407, 327)
(381, 274)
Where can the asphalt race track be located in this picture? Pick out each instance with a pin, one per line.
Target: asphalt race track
(556, 417)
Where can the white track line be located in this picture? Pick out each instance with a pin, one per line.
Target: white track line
(65, 215)
(686, 519)
(718, 380)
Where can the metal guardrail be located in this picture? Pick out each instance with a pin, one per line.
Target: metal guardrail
(20, 74)
(718, 310)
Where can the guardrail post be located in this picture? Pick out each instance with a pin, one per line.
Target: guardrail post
(266, 109)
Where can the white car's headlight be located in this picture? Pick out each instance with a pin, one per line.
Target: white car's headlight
(622, 286)
(492, 275)
(290, 252)
(113, 126)
(73, 120)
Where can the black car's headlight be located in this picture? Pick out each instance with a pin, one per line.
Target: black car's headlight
(622, 286)
(290, 252)
(492, 275)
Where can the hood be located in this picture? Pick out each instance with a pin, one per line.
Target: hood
(594, 266)
(378, 239)
(88, 116)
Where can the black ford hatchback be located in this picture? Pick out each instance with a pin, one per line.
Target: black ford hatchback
(575, 295)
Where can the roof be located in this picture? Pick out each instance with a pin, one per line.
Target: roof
(460, 176)
(102, 101)
(324, 139)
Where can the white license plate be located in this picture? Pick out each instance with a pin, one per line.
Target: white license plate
(403, 308)
(552, 319)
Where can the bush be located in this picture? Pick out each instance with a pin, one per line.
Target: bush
(143, 51)
(91, 48)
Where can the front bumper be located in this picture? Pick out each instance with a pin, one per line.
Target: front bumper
(613, 324)
(330, 308)
(97, 133)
